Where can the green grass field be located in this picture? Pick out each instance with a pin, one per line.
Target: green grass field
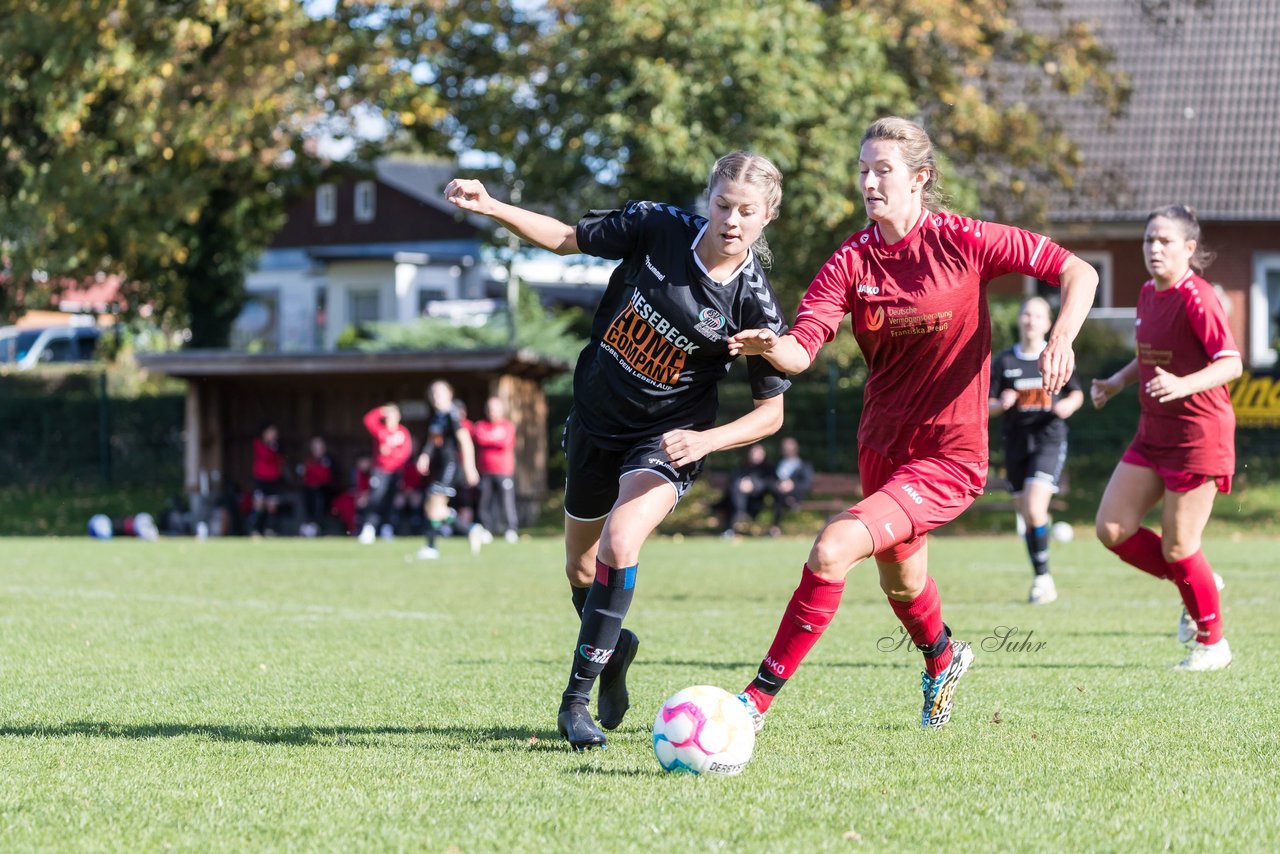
(315, 695)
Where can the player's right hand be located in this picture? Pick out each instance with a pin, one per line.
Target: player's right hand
(469, 194)
(1100, 391)
(752, 342)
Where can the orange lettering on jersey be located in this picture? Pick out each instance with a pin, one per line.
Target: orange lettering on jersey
(874, 319)
(638, 346)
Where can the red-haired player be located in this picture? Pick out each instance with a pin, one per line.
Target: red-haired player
(1184, 453)
(914, 283)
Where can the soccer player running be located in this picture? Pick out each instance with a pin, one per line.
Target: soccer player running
(644, 391)
(1184, 451)
(1035, 435)
(914, 283)
(448, 458)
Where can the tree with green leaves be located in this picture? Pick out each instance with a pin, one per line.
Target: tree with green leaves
(597, 101)
(159, 139)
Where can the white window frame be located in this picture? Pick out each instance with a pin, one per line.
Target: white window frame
(326, 204)
(365, 201)
(1261, 353)
(1106, 276)
(363, 292)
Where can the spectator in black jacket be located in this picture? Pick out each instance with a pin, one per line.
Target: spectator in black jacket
(792, 479)
(748, 486)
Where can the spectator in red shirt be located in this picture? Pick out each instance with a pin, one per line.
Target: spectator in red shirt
(1184, 453)
(268, 478)
(392, 447)
(914, 286)
(318, 484)
(495, 443)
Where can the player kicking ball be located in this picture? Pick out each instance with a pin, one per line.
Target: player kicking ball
(914, 285)
(644, 391)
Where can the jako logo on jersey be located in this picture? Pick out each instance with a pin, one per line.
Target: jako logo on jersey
(594, 654)
(870, 290)
(710, 322)
(910, 489)
(775, 666)
(874, 319)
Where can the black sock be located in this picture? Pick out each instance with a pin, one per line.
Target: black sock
(1038, 548)
(433, 529)
(607, 602)
(768, 682)
(579, 598)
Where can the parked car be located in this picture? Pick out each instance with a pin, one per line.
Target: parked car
(26, 348)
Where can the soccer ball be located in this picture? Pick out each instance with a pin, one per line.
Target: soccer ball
(1062, 532)
(100, 526)
(703, 730)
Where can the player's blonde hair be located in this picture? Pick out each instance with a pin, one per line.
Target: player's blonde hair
(758, 172)
(917, 152)
(1185, 217)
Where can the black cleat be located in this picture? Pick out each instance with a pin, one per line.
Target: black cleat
(575, 725)
(614, 700)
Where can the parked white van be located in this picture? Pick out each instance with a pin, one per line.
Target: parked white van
(26, 348)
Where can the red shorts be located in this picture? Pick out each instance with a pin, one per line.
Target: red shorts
(907, 499)
(1174, 479)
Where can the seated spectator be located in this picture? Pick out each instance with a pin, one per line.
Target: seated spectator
(791, 482)
(748, 485)
(348, 505)
(319, 484)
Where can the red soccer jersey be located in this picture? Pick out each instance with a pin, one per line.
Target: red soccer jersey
(495, 443)
(318, 472)
(392, 448)
(921, 319)
(1182, 329)
(268, 462)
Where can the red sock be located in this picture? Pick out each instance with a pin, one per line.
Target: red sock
(1144, 551)
(922, 618)
(810, 611)
(1193, 577)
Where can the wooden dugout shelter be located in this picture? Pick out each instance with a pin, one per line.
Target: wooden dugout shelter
(231, 395)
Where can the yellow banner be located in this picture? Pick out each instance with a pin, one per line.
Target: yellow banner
(1256, 401)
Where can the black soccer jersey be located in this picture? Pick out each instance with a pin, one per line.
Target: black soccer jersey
(1033, 414)
(442, 435)
(659, 340)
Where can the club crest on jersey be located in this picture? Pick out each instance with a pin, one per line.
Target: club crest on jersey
(710, 322)
(874, 319)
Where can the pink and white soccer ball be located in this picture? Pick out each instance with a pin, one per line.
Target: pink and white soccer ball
(703, 730)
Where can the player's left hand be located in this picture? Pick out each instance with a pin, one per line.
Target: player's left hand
(1057, 364)
(685, 446)
(752, 342)
(1165, 386)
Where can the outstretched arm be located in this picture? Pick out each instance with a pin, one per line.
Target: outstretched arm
(783, 352)
(1165, 386)
(1100, 391)
(543, 231)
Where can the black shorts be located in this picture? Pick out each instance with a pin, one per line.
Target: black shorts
(267, 488)
(1040, 461)
(446, 475)
(591, 484)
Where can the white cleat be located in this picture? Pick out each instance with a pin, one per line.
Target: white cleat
(428, 553)
(367, 535)
(387, 532)
(1043, 590)
(1203, 657)
(475, 537)
(1187, 627)
(511, 537)
(757, 716)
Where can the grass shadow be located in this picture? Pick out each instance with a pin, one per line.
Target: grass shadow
(453, 737)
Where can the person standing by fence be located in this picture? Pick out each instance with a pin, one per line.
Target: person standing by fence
(392, 447)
